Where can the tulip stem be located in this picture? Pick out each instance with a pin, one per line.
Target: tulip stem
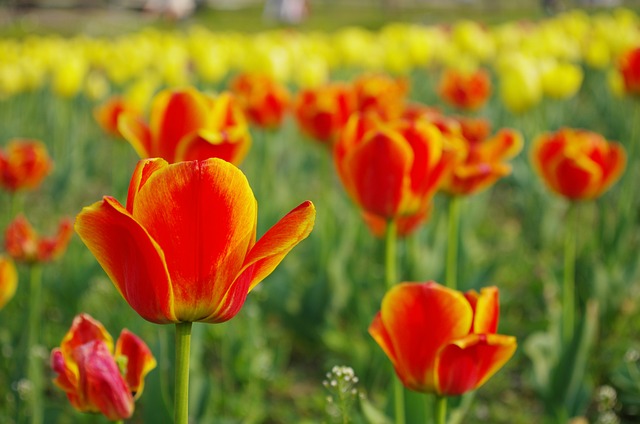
(183, 349)
(390, 280)
(34, 365)
(452, 242)
(568, 284)
(440, 410)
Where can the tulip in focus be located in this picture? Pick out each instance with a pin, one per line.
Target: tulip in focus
(108, 113)
(629, 68)
(24, 164)
(264, 101)
(87, 368)
(186, 124)
(8, 280)
(184, 247)
(578, 164)
(24, 244)
(467, 91)
(441, 340)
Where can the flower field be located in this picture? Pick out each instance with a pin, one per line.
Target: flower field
(418, 223)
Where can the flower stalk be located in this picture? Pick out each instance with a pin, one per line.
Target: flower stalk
(568, 282)
(452, 243)
(34, 369)
(183, 349)
(440, 410)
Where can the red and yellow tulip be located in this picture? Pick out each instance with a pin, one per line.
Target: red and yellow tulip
(107, 114)
(24, 164)
(186, 124)
(24, 244)
(465, 90)
(8, 280)
(629, 69)
(441, 340)
(264, 101)
(381, 95)
(87, 368)
(578, 164)
(184, 248)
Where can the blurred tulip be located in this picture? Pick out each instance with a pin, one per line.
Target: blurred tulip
(629, 68)
(264, 101)
(322, 112)
(24, 164)
(381, 95)
(561, 80)
(8, 280)
(107, 114)
(184, 249)
(69, 75)
(88, 372)
(392, 169)
(520, 85)
(578, 164)
(468, 91)
(186, 124)
(24, 244)
(458, 349)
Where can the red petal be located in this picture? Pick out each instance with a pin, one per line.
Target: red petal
(140, 360)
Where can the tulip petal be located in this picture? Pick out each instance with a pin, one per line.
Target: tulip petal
(265, 256)
(140, 360)
(419, 319)
(130, 257)
(486, 309)
(144, 169)
(84, 329)
(137, 133)
(576, 177)
(231, 145)
(203, 216)
(8, 280)
(468, 363)
(614, 164)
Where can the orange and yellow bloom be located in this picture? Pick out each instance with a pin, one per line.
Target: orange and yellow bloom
(186, 124)
(578, 164)
(108, 113)
(24, 164)
(24, 244)
(184, 248)
(381, 95)
(8, 280)
(264, 101)
(441, 340)
(467, 91)
(87, 368)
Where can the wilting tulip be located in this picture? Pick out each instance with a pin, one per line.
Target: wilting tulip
(87, 368)
(8, 280)
(107, 114)
(264, 101)
(24, 244)
(24, 164)
(484, 163)
(188, 125)
(468, 91)
(392, 169)
(457, 350)
(629, 68)
(578, 164)
(381, 95)
(184, 248)
(323, 111)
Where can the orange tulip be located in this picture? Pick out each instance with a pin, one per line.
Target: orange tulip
(8, 280)
(108, 113)
(381, 95)
(184, 248)
(323, 111)
(440, 340)
(23, 164)
(484, 163)
(263, 100)
(188, 125)
(629, 68)
(578, 164)
(392, 169)
(24, 244)
(468, 91)
(87, 368)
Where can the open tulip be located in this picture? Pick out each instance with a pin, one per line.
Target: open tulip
(24, 244)
(184, 248)
(186, 124)
(8, 280)
(468, 91)
(440, 340)
(87, 368)
(24, 164)
(264, 101)
(577, 164)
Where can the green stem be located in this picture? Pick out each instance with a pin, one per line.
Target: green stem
(440, 410)
(183, 349)
(452, 243)
(568, 282)
(34, 364)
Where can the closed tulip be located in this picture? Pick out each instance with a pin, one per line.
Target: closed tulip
(465, 90)
(577, 164)
(87, 368)
(24, 164)
(184, 248)
(264, 101)
(186, 124)
(629, 69)
(441, 340)
(8, 280)
(108, 113)
(24, 244)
